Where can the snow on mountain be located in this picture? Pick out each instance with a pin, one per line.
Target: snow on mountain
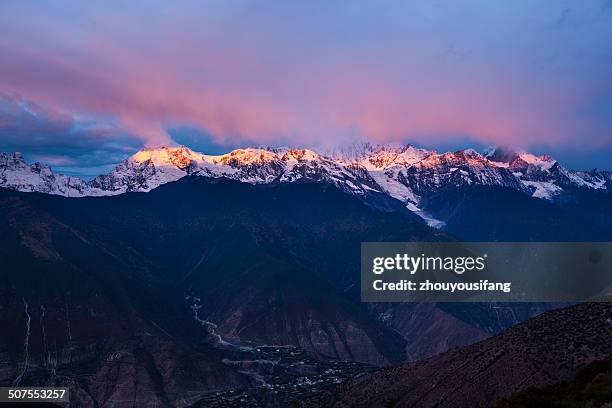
(16, 174)
(379, 157)
(150, 168)
(453, 170)
(544, 176)
(403, 172)
(543, 189)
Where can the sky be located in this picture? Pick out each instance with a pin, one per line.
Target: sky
(84, 84)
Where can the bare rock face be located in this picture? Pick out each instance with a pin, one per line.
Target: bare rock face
(544, 350)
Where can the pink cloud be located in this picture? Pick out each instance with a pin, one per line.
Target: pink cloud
(245, 76)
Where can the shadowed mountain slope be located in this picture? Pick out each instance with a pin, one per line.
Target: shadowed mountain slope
(543, 350)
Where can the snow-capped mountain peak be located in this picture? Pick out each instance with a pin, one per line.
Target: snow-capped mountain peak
(246, 157)
(544, 176)
(379, 156)
(179, 157)
(544, 162)
(16, 174)
(150, 168)
(385, 158)
(507, 157)
(301, 154)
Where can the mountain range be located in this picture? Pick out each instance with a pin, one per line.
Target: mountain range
(405, 173)
(184, 279)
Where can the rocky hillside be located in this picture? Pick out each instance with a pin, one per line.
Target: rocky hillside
(544, 350)
(592, 387)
